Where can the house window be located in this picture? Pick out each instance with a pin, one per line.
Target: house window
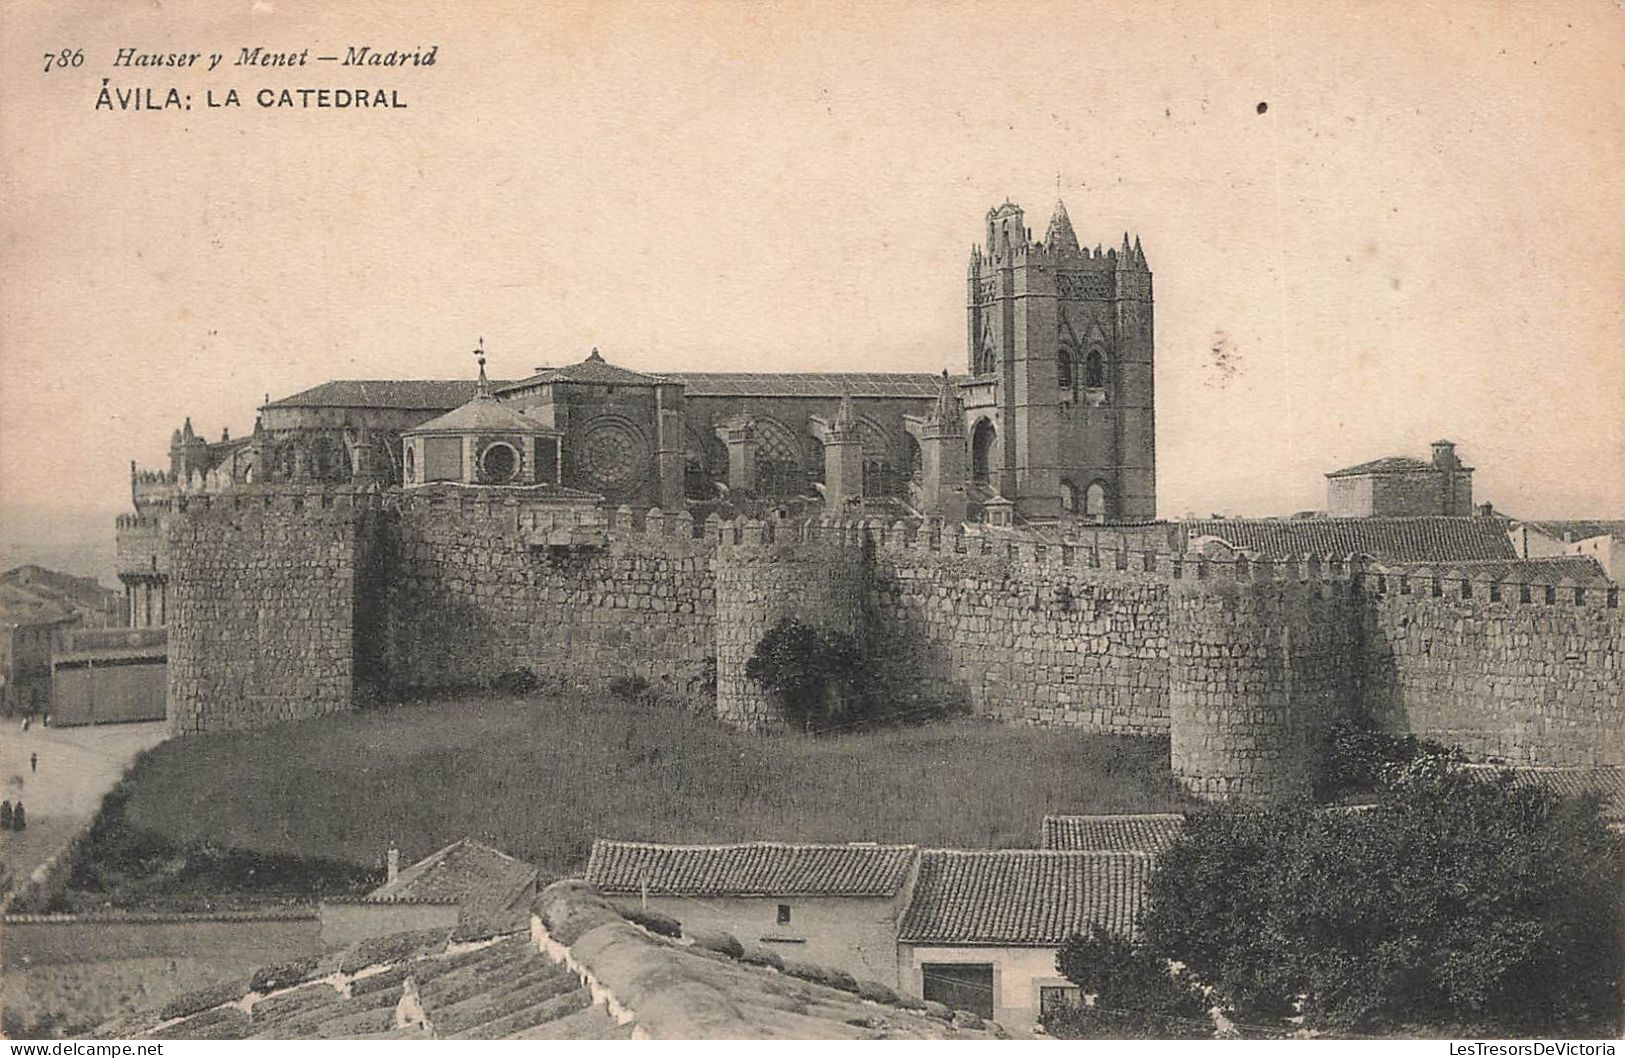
(1058, 997)
(411, 465)
(959, 986)
(784, 914)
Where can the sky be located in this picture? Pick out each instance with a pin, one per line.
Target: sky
(1371, 225)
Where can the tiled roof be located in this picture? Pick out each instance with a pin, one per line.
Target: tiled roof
(1606, 782)
(1582, 529)
(1022, 897)
(1386, 465)
(484, 881)
(594, 370)
(758, 868)
(1124, 833)
(1428, 539)
(482, 415)
(439, 394)
(1583, 570)
(497, 989)
(808, 384)
(417, 986)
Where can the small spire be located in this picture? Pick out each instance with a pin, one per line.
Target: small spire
(482, 389)
(595, 355)
(847, 414)
(1060, 235)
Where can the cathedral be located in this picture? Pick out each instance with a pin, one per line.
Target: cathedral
(1052, 420)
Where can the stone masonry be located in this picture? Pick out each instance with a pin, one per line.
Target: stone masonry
(293, 605)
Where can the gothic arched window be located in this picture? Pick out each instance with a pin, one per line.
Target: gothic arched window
(981, 451)
(1094, 370)
(1069, 497)
(1095, 500)
(1063, 368)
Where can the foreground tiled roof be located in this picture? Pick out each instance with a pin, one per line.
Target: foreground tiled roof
(758, 868)
(1429, 539)
(500, 988)
(586, 973)
(1123, 833)
(1386, 465)
(403, 394)
(808, 384)
(1023, 897)
(484, 881)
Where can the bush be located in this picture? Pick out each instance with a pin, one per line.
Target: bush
(1358, 757)
(1455, 903)
(1135, 994)
(824, 681)
(630, 688)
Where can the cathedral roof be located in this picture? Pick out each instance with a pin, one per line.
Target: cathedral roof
(595, 370)
(807, 384)
(482, 415)
(1060, 235)
(436, 394)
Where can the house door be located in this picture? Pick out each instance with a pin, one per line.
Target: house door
(959, 986)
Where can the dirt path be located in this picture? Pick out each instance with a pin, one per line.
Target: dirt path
(76, 767)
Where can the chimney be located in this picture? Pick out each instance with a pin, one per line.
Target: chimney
(1444, 455)
(392, 861)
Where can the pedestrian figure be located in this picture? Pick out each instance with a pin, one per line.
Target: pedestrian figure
(19, 821)
(33, 762)
(5, 816)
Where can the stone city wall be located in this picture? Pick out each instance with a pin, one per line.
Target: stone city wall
(478, 589)
(291, 603)
(263, 596)
(1531, 676)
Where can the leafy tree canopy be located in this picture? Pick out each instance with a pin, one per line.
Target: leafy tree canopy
(1456, 903)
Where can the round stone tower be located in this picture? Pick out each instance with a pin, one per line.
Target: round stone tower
(1257, 669)
(819, 582)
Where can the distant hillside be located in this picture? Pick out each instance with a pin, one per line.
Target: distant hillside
(72, 541)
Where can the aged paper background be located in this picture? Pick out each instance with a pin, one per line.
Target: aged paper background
(1371, 224)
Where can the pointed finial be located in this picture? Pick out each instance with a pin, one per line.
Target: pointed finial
(595, 354)
(483, 387)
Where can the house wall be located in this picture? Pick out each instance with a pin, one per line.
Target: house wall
(110, 692)
(1018, 972)
(855, 934)
(1349, 497)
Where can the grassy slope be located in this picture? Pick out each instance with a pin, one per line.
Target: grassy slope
(541, 778)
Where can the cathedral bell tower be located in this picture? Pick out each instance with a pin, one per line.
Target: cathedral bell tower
(1059, 406)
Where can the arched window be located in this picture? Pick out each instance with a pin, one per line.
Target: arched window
(328, 461)
(499, 462)
(981, 451)
(1063, 368)
(1069, 497)
(1094, 370)
(1095, 500)
(411, 465)
(916, 459)
(985, 362)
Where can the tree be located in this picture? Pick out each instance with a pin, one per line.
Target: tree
(815, 673)
(1457, 903)
(1134, 994)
